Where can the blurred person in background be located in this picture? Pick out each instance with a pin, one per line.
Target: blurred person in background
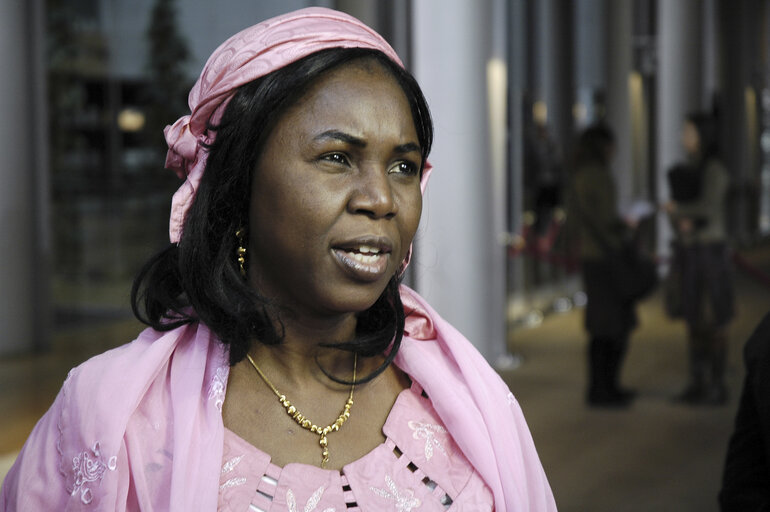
(609, 319)
(278, 304)
(746, 477)
(697, 211)
(543, 180)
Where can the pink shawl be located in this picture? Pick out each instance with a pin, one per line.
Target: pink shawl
(141, 426)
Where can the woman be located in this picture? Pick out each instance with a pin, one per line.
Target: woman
(285, 368)
(609, 318)
(697, 212)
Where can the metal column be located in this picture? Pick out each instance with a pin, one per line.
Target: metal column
(459, 263)
(23, 197)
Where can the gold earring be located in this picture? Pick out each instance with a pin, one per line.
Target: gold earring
(240, 252)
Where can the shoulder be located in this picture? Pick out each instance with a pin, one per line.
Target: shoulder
(75, 431)
(435, 345)
(90, 390)
(715, 169)
(78, 450)
(591, 175)
(757, 348)
(479, 411)
(592, 169)
(127, 363)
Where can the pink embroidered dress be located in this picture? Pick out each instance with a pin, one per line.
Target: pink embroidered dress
(418, 467)
(140, 428)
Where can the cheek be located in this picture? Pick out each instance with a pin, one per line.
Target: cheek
(269, 215)
(411, 210)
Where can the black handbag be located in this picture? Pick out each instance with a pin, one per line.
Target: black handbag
(634, 274)
(672, 286)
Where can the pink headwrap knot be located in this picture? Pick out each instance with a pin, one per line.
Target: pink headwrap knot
(182, 146)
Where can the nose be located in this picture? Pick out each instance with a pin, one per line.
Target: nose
(372, 194)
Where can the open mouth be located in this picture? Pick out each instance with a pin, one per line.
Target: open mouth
(364, 261)
(365, 254)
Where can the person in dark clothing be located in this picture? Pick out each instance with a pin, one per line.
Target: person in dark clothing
(697, 211)
(543, 180)
(609, 319)
(746, 477)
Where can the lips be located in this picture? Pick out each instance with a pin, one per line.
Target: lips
(365, 259)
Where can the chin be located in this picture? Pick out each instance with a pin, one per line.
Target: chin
(358, 300)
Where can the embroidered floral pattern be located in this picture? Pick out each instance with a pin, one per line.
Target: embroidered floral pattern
(88, 467)
(228, 467)
(404, 500)
(311, 504)
(428, 432)
(233, 482)
(217, 388)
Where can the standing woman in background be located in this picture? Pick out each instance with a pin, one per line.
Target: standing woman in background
(697, 212)
(285, 368)
(609, 319)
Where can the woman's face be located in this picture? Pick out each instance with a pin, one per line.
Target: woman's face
(690, 138)
(336, 195)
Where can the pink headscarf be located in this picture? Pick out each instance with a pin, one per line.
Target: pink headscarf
(244, 57)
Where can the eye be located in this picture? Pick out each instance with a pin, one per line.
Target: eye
(406, 168)
(336, 158)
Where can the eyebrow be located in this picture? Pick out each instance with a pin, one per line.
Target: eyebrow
(358, 142)
(408, 148)
(341, 136)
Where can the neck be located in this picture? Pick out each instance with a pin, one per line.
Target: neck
(298, 359)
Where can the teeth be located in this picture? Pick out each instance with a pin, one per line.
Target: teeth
(365, 249)
(365, 258)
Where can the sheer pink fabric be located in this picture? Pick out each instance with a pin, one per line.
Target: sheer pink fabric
(135, 427)
(476, 406)
(141, 427)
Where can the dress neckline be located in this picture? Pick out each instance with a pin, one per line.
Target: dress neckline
(413, 388)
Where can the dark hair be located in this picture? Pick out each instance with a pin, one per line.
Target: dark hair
(199, 278)
(706, 126)
(593, 145)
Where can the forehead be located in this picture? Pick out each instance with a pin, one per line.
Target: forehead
(356, 73)
(362, 85)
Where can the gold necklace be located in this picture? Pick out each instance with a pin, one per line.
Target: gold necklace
(305, 423)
